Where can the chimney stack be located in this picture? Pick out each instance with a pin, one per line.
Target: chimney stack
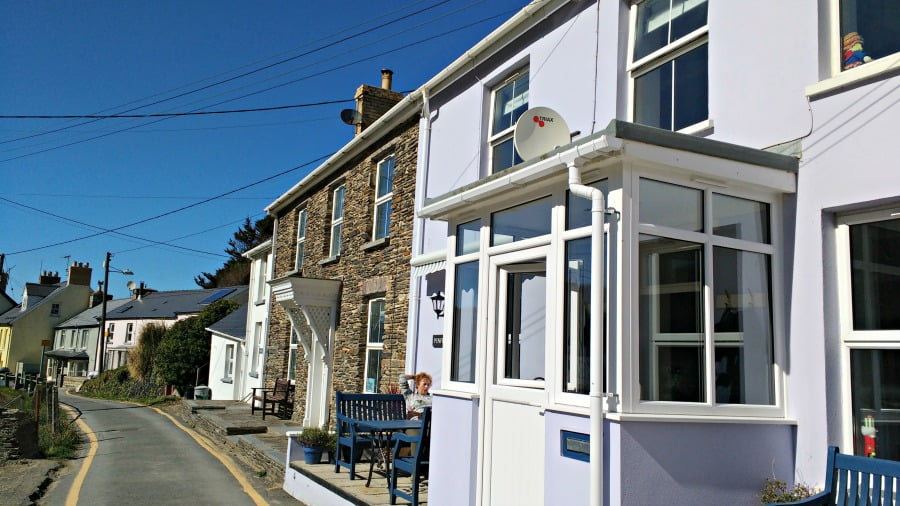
(79, 274)
(372, 102)
(49, 278)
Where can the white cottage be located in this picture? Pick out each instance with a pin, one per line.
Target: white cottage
(742, 319)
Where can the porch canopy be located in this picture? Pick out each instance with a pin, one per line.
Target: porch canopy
(63, 354)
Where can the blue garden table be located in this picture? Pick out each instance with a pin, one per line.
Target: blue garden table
(381, 437)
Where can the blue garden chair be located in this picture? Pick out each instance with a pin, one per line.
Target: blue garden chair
(415, 464)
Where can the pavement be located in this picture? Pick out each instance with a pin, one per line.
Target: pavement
(23, 482)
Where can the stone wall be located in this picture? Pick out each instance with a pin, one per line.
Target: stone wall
(367, 269)
(18, 435)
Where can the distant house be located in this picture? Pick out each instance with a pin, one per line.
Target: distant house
(26, 330)
(237, 354)
(341, 255)
(74, 349)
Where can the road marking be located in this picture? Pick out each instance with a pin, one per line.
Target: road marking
(224, 459)
(72, 497)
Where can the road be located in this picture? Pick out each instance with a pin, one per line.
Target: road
(138, 456)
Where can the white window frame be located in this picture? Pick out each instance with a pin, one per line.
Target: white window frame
(302, 220)
(129, 332)
(229, 361)
(373, 346)
(660, 57)
(110, 331)
(855, 339)
(255, 349)
(62, 338)
(293, 348)
(337, 221)
(386, 198)
(495, 139)
(261, 267)
(82, 341)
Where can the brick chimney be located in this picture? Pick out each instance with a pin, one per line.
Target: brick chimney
(79, 274)
(372, 102)
(49, 278)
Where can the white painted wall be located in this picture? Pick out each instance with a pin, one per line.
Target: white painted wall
(454, 439)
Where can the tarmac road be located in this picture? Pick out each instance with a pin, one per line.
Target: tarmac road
(138, 455)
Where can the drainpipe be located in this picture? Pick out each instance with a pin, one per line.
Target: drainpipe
(598, 208)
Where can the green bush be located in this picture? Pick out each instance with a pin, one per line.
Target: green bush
(316, 438)
(62, 444)
(778, 491)
(118, 384)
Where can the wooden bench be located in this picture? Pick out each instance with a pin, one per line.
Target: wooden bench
(856, 481)
(276, 400)
(352, 408)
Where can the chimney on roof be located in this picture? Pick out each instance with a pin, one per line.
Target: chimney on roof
(372, 102)
(79, 274)
(49, 278)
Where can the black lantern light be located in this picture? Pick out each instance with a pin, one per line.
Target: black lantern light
(437, 301)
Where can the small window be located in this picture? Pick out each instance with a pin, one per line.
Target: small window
(54, 310)
(129, 332)
(868, 31)
(229, 361)
(531, 219)
(261, 268)
(510, 100)
(255, 350)
(374, 345)
(468, 237)
(337, 221)
(292, 355)
(465, 322)
(62, 339)
(671, 89)
(110, 330)
(301, 238)
(384, 192)
(82, 342)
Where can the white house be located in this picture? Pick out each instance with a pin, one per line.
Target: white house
(746, 221)
(237, 352)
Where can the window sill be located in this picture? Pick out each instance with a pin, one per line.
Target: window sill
(456, 394)
(642, 417)
(253, 374)
(259, 302)
(329, 260)
(880, 68)
(226, 380)
(700, 129)
(377, 243)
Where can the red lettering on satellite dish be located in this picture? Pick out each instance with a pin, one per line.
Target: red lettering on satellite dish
(541, 119)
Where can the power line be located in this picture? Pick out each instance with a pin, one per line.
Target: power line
(167, 213)
(192, 234)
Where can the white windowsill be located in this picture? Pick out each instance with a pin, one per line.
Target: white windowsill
(642, 417)
(848, 78)
(456, 394)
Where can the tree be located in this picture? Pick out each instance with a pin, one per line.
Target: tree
(142, 358)
(236, 270)
(184, 350)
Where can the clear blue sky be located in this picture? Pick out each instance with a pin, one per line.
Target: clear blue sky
(109, 56)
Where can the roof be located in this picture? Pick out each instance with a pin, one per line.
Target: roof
(90, 316)
(67, 354)
(36, 293)
(258, 250)
(168, 305)
(234, 325)
(7, 297)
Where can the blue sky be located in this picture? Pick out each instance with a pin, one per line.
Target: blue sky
(66, 181)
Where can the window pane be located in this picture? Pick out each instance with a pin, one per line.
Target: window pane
(875, 274)
(383, 220)
(743, 327)
(373, 370)
(510, 101)
(653, 98)
(465, 320)
(691, 88)
(578, 210)
(300, 255)
(687, 16)
(526, 302)
(336, 239)
(868, 28)
(385, 177)
(740, 218)
(338, 209)
(875, 388)
(576, 345)
(504, 156)
(521, 222)
(660, 22)
(671, 312)
(468, 237)
(301, 225)
(671, 205)
(376, 321)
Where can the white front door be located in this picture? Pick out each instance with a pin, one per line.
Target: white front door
(514, 386)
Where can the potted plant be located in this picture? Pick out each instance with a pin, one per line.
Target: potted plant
(314, 442)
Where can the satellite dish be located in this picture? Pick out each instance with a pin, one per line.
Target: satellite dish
(539, 130)
(351, 116)
(131, 285)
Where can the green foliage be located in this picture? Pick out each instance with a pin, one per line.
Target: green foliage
(185, 347)
(236, 270)
(315, 437)
(142, 359)
(118, 384)
(778, 491)
(63, 444)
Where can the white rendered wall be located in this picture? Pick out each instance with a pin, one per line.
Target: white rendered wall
(454, 455)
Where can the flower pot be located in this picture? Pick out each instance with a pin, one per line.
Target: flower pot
(312, 454)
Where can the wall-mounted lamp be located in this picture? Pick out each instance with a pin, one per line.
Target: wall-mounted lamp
(437, 302)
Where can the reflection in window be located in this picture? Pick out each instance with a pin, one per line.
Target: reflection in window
(661, 22)
(577, 333)
(740, 218)
(301, 238)
(521, 222)
(672, 343)
(875, 274)
(510, 100)
(465, 320)
(526, 301)
(869, 30)
(875, 388)
(671, 205)
(374, 345)
(384, 192)
(337, 221)
(674, 95)
(468, 237)
(578, 209)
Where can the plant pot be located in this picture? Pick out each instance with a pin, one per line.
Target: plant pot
(312, 454)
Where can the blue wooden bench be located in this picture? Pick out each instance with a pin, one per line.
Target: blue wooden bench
(351, 409)
(856, 481)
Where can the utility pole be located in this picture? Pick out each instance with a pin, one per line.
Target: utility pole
(102, 336)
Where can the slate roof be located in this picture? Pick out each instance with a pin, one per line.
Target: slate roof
(36, 294)
(234, 325)
(162, 305)
(88, 317)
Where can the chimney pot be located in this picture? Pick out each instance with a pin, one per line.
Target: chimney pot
(386, 78)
